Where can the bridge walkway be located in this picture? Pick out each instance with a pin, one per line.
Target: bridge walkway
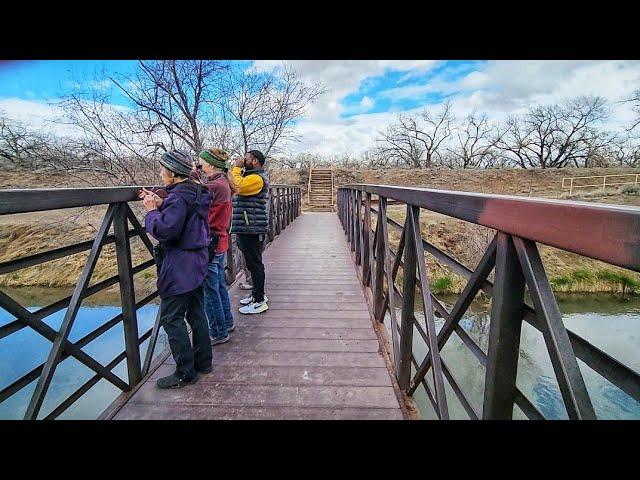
(313, 355)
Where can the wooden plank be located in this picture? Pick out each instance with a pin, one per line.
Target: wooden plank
(269, 396)
(277, 313)
(290, 375)
(310, 359)
(300, 345)
(300, 321)
(254, 331)
(212, 412)
(341, 308)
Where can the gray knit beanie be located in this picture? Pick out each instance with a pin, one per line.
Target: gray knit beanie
(177, 161)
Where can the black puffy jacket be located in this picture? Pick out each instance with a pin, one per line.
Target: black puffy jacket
(251, 212)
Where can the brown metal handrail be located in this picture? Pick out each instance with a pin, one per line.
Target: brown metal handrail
(604, 232)
(284, 207)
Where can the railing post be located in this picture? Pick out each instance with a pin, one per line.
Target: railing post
(341, 208)
(127, 294)
(287, 205)
(380, 262)
(358, 239)
(284, 208)
(507, 311)
(352, 220)
(348, 215)
(408, 302)
(571, 187)
(278, 214)
(342, 213)
(366, 241)
(271, 227)
(604, 183)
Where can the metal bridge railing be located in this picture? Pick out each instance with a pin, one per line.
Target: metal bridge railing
(284, 207)
(603, 232)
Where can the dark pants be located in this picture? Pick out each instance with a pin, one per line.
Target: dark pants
(172, 315)
(251, 247)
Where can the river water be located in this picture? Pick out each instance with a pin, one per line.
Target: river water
(24, 350)
(611, 323)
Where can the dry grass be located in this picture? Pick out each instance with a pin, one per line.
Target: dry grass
(25, 234)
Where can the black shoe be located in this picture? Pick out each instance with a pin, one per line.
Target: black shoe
(174, 381)
(205, 371)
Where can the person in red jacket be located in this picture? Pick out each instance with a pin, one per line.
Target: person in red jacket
(216, 298)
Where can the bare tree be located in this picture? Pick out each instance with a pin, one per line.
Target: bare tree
(416, 140)
(475, 145)
(15, 142)
(115, 142)
(625, 151)
(555, 136)
(174, 97)
(437, 128)
(183, 104)
(23, 147)
(634, 99)
(263, 106)
(399, 146)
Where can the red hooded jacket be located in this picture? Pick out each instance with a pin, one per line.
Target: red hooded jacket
(220, 211)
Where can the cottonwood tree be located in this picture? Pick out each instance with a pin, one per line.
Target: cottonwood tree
(416, 140)
(474, 143)
(555, 136)
(15, 142)
(262, 107)
(398, 146)
(625, 151)
(634, 99)
(175, 98)
(24, 147)
(114, 141)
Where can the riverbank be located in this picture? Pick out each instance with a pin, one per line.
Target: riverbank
(26, 234)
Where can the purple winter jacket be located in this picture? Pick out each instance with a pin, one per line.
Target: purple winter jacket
(185, 266)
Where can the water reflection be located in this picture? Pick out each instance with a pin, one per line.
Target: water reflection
(611, 323)
(24, 350)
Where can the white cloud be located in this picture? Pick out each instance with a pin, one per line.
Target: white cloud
(36, 114)
(498, 88)
(366, 102)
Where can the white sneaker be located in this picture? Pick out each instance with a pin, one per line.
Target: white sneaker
(248, 300)
(255, 307)
(245, 286)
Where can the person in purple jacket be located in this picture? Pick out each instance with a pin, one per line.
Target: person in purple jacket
(179, 223)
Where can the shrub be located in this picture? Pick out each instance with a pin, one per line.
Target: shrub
(581, 275)
(442, 284)
(626, 282)
(561, 281)
(607, 276)
(631, 190)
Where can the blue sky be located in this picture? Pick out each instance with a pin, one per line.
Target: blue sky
(47, 80)
(370, 96)
(362, 96)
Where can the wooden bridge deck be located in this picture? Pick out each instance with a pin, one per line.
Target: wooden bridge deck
(313, 355)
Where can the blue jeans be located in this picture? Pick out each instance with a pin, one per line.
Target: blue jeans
(216, 299)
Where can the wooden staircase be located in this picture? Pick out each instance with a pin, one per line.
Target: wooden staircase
(321, 190)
